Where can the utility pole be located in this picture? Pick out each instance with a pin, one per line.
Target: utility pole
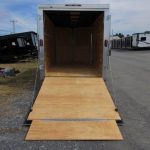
(13, 24)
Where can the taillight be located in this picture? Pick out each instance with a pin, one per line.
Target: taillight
(106, 43)
(41, 42)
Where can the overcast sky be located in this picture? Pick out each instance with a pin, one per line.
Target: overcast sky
(128, 16)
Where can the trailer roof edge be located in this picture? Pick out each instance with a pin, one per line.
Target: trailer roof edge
(74, 6)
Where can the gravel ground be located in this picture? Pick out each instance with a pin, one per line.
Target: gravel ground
(131, 71)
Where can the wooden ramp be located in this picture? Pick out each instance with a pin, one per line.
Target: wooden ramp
(73, 108)
(45, 130)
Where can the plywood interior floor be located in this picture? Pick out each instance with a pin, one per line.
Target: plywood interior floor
(65, 104)
(73, 71)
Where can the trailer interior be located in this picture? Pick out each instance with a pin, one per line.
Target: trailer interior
(73, 43)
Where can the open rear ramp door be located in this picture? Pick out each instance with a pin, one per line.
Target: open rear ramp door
(73, 102)
(73, 108)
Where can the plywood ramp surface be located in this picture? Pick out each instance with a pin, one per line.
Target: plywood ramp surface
(73, 98)
(73, 108)
(45, 130)
(74, 113)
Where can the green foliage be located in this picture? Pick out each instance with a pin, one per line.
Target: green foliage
(119, 35)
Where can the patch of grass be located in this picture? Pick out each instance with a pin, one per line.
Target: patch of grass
(12, 86)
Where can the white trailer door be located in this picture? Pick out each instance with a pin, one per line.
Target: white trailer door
(106, 51)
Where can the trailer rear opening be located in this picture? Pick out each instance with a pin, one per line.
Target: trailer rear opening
(74, 102)
(73, 40)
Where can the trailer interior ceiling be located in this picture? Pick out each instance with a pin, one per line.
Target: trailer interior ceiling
(73, 40)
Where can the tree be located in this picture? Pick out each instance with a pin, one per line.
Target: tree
(147, 32)
(119, 35)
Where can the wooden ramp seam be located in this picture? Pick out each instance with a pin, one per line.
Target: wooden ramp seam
(76, 120)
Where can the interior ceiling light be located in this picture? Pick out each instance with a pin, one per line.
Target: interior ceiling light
(74, 17)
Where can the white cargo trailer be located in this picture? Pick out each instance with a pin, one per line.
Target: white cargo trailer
(73, 34)
(74, 102)
(141, 40)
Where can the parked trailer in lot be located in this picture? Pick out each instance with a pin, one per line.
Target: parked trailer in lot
(126, 42)
(114, 40)
(119, 43)
(116, 43)
(122, 43)
(74, 102)
(123, 40)
(19, 43)
(141, 40)
(136, 41)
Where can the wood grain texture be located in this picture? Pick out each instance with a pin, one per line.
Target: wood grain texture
(63, 44)
(72, 71)
(82, 45)
(73, 98)
(47, 102)
(98, 39)
(45, 130)
(49, 42)
(73, 112)
(73, 108)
